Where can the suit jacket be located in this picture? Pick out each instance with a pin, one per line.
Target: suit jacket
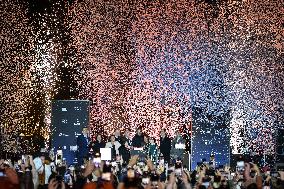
(177, 153)
(96, 146)
(165, 146)
(138, 141)
(128, 140)
(83, 145)
(125, 153)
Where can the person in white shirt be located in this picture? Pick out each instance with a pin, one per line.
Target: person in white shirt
(41, 169)
(114, 145)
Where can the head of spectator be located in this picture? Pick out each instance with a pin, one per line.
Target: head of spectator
(131, 180)
(56, 182)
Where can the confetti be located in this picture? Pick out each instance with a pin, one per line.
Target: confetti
(145, 64)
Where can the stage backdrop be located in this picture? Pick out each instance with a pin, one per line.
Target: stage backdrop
(68, 119)
(210, 135)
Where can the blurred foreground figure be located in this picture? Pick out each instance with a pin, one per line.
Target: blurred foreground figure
(8, 176)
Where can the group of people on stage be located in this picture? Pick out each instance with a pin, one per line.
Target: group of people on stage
(123, 145)
(43, 171)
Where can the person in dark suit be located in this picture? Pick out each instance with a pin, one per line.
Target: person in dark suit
(177, 151)
(124, 151)
(117, 136)
(165, 146)
(98, 144)
(126, 138)
(138, 139)
(83, 142)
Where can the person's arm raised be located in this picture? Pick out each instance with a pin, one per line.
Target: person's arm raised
(53, 184)
(247, 172)
(281, 175)
(258, 176)
(89, 169)
(186, 181)
(12, 176)
(150, 164)
(31, 161)
(172, 181)
(133, 161)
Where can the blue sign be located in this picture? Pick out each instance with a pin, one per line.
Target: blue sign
(68, 119)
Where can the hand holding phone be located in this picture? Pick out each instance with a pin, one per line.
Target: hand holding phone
(55, 182)
(274, 174)
(155, 178)
(2, 174)
(240, 167)
(59, 180)
(178, 169)
(171, 177)
(106, 176)
(145, 181)
(206, 184)
(97, 160)
(59, 157)
(23, 159)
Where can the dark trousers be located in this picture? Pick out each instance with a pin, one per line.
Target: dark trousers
(167, 158)
(43, 186)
